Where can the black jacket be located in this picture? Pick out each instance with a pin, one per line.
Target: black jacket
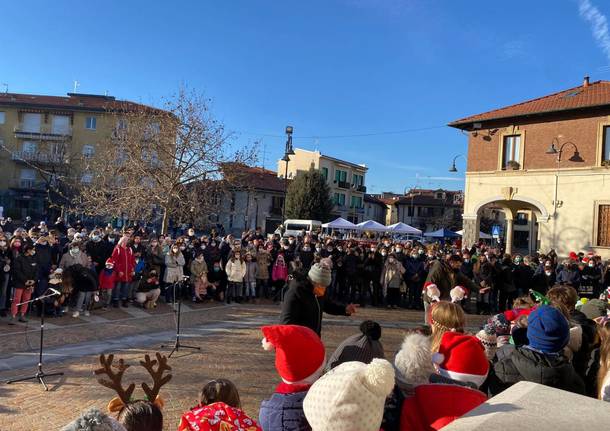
(83, 279)
(523, 276)
(24, 268)
(302, 307)
(524, 364)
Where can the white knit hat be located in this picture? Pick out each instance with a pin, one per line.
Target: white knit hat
(350, 397)
(413, 361)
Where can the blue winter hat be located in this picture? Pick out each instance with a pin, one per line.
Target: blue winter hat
(547, 329)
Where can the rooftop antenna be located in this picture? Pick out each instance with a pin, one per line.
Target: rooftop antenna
(76, 85)
(264, 153)
(5, 87)
(106, 93)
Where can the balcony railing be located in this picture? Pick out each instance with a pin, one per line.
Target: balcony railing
(44, 158)
(343, 184)
(27, 184)
(360, 189)
(45, 132)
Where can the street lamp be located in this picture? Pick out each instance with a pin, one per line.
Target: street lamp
(453, 167)
(552, 150)
(288, 151)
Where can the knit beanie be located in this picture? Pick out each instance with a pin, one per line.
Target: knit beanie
(362, 347)
(489, 342)
(548, 330)
(498, 325)
(595, 308)
(413, 362)
(320, 272)
(94, 420)
(299, 352)
(350, 397)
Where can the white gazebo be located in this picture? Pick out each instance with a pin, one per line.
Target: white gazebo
(371, 225)
(403, 228)
(339, 224)
(482, 235)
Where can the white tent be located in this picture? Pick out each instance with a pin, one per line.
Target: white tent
(371, 225)
(482, 235)
(339, 223)
(403, 228)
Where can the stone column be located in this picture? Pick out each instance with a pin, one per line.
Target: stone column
(509, 235)
(471, 229)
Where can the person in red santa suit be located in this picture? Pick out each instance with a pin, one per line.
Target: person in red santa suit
(300, 358)
(463, 366)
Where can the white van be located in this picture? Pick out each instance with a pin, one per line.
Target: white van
(296, 227)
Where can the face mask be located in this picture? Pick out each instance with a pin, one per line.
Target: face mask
(430, 256)
(2, 243)
(95, 238)
(591, 264)
(387, 244)
(383, 253)
(290, 241)
(399, 250)
(74, 251)
(330, 250)
(202, 247)
(175, 250)
(237, 256)
(373, 250)
(306, 249)
(413, 256)
(548, 273)
(32, 253)
(420, 252)
(517, 261)
(43, 244)
(318, 249)
(216, 269)
(391, 260)
(466, 260)
(109, 266)
(182, 248)
(111, 240)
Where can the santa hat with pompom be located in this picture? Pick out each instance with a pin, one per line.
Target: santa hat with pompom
(350, 397)
(299, 353)
(462, 357)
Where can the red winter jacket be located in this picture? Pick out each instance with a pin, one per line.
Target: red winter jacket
(124, 262)
(437, 405)
(107, 280)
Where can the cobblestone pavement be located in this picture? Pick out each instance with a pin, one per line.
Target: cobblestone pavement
(229, 338)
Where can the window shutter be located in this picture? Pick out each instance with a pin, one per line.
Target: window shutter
(603, 236)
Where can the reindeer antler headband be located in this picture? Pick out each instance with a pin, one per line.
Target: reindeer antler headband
(115, 378)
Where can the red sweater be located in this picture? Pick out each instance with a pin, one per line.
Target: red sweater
(107, 281)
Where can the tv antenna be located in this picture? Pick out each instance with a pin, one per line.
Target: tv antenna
(5, 87)
(76, 85)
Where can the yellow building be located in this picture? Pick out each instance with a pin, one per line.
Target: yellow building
(46, 138)
(346, 180)
(545, 163)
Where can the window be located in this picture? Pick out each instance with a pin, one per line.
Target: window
(356, 202)
(121, 124)
(29, 147)
(357, 180)
(603, 226)
(605, 145)
(340, 199)
(2, 117)
(410, 211)
(340, 176)
(510, 150)
(88, 151)
(31, 123)
(27, 178)
(91, 123)
(521, 219)
(86, 178)
(325, 173)
(61, 125)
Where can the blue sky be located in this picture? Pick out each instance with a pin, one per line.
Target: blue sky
(328, 67)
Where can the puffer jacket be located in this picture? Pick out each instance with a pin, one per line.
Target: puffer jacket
(174, 267)
(236, 270)
(525, 364)
(284, 412)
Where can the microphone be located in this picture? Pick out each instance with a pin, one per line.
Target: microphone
(55, 292)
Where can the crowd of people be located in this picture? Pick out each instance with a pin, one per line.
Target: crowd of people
(106, 267)
(548, 319)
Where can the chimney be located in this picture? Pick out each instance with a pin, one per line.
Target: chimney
(585, 81)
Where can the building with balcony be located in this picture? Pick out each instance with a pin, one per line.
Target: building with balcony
(544, 163)
(43, 138)
(346, 181)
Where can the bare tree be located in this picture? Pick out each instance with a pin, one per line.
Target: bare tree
(161, 161)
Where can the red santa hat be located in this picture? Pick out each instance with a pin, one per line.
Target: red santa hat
(586, 259)
(462, 357)
(299, 353)
(109, 261)
(573, 255)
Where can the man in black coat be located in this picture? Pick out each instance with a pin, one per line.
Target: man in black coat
(305, 300)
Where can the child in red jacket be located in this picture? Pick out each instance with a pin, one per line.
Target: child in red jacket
(107, 281)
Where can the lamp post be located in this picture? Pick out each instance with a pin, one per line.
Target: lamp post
(453, 167)
(287, 153)
(552, 150)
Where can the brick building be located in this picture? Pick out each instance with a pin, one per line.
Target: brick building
(544, 163)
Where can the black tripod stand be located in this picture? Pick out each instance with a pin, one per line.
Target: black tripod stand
(178, 312)
(40, 374)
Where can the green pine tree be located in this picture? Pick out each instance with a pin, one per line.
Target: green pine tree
(308, 197)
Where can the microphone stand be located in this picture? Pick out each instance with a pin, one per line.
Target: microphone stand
(178, 312)
(40, 374)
